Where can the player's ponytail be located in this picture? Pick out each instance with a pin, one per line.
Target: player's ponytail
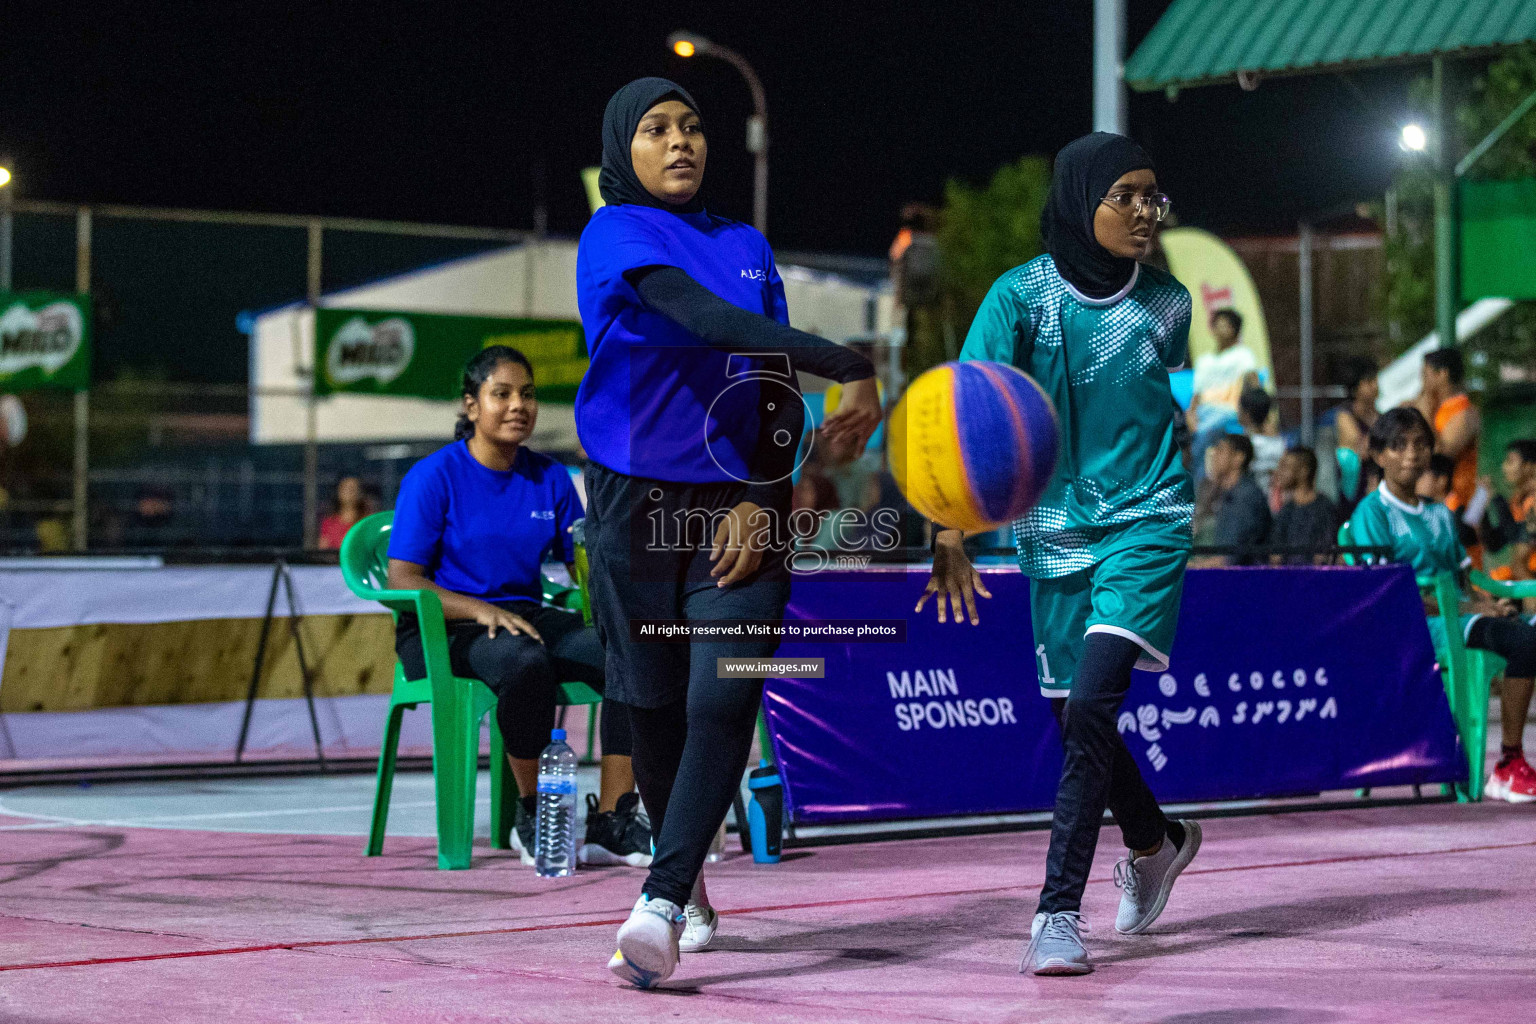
(476, 372)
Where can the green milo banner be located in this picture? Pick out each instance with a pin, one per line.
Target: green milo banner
(45, 341)
(422, 355)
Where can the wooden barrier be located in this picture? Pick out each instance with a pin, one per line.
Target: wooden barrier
(74, 668)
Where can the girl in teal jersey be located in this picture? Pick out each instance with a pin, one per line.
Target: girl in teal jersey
(1106, 546)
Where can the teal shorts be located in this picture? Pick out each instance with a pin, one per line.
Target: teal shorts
(1437, 634)
(1133, 591)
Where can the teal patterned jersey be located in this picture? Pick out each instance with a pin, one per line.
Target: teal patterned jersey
(1423, 535)
(1105, 364)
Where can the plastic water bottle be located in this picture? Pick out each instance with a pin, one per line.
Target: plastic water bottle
(765, 815)
(555, 840)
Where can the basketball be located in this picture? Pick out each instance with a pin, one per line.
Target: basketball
(973, 444)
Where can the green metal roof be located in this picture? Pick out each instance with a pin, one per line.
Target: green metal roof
(1202, 42)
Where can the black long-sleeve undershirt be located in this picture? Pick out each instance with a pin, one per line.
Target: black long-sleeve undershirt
(678, 297)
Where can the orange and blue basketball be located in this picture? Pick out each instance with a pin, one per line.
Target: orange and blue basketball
(973, 444)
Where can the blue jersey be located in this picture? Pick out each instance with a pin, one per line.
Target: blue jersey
(648, 404)
(484, 532)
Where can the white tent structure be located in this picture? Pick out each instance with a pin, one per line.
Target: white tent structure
(534, 279)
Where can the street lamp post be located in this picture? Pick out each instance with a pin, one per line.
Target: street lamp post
(687, 44)
(5, 228)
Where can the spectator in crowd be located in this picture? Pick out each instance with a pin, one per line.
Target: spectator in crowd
(1435, 485)
(1242, 517)
(1443, 401)
(152, 523)
(814, 490)
(1220, 378)
(1435, 482)
(13, 422)
(1422, 534)
(1511, 522)
(1307, 519)
(472, 524)
(1253, 416)
(351, 505)
(1352, 420)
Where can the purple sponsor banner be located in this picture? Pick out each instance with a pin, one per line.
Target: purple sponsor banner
(1283, 681)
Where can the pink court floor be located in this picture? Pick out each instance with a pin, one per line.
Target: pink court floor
(1420, 913)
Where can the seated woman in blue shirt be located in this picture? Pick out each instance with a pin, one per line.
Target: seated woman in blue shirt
(1423, 534)
(473, 522)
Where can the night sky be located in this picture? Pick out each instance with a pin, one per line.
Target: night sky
(467, 112)
(445, 111)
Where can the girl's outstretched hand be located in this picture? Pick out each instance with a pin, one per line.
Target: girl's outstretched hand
(953, 577)
(858, 413)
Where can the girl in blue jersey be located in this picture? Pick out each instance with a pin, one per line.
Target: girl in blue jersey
(690, 414)
(473, 522)
(1106, 546)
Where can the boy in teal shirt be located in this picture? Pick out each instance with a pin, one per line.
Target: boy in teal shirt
(1106, 546)
(1423, 534)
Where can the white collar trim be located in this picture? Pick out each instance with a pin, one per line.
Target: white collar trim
(1111, 300)
(1397, 503)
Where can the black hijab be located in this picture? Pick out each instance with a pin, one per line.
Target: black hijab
(618, 182)
(1085, 170)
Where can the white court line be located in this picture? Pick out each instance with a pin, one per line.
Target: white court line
(50, 820)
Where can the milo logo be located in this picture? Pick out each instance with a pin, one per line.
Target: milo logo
(47, 338)
(359, 351)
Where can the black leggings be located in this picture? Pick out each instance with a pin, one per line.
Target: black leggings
(1512, 639)
(689, 757)
(525, 673)
(1097, 771)
(692, 729)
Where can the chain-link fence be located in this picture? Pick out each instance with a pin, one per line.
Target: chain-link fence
(171, 467)
(159, 446)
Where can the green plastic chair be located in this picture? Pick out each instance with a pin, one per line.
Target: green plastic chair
(458, 705)
(1467, 673)
(1481, 666)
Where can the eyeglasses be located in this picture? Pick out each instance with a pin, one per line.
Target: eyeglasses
(1134, 203)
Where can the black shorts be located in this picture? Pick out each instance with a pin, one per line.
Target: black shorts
(649, 544)
(1512, 639)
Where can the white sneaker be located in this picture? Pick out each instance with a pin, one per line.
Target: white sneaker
(1147, 881)
(1056, 945)
(648, 949)
(699, 920)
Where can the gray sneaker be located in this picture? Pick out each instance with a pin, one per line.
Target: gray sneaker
(1147, 881)
(1055, 945)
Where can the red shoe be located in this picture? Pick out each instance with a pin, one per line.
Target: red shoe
(1514, 782)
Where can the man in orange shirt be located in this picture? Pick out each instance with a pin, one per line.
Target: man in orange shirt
(1444, 402)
